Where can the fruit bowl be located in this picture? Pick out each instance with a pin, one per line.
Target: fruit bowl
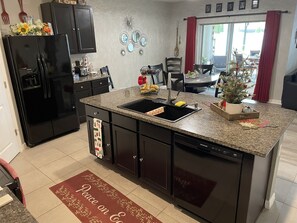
(147, 89)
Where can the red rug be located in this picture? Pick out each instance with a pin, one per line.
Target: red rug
(93, 200)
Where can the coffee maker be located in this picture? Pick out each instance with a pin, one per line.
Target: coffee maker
(82, 71)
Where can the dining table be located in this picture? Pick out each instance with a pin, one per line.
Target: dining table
(202, 80)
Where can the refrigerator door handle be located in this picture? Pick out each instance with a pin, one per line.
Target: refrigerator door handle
(44, 85)
(49, 92)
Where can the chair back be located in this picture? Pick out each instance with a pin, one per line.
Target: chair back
(177, 81)
(157, 74)
(203, 68)
(173, 64)
(219, 62)
(254, 52)
(105, 70)
(239, 58)
(220, 80)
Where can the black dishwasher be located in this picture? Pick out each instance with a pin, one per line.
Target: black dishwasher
(206, 178)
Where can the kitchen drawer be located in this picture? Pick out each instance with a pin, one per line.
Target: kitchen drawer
(155, 132)
(100, 82)
(82, 86)
(97, 113)
(100, 90)
(124, 122)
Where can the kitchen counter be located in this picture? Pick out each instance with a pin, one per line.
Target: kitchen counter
(15, 210)
(90, 77)
(206, 124)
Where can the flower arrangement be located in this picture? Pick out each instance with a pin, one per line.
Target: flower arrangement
(36, 28)
(235, 83)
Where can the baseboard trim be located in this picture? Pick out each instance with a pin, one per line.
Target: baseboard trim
(274, 101)
(269, 203)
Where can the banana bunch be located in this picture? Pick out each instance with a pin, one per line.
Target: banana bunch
(147, 88)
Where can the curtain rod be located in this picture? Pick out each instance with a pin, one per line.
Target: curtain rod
(220, 16)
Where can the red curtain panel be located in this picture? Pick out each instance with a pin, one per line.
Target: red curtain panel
(267, 56)
(191, 43)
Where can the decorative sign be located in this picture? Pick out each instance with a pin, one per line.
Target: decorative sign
(242, 4)
(255, 4)
(208, 8)
(230, 6)
(219, 7)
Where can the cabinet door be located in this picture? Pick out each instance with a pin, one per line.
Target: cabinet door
(155, 163)
(63, 22)
(84, 29)
(100, 86)
(106, 138)
(82, 90)
(125, 149)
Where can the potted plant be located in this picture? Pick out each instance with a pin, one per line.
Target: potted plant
(234, 86)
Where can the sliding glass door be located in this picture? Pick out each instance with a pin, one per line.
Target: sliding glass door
(219, 41)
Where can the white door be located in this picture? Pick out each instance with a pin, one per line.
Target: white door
(9, 147)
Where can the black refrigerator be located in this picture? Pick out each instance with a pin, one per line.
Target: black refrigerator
(41, 75)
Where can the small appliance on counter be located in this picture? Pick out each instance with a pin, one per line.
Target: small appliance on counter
(82, 71)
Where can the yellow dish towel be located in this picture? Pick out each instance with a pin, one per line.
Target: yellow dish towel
(97, 130)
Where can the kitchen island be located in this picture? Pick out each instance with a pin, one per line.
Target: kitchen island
(259, 148)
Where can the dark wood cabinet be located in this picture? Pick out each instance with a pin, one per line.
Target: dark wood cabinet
(138, 148)
(103, 115)
(82, 90)
(155, 163)
(125, 143)
(86, 89)
(155, 156)
(74, 20)
(125, 149)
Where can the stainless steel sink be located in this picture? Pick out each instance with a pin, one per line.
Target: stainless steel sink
(171, 113)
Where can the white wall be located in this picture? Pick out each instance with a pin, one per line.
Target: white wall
(283, 62)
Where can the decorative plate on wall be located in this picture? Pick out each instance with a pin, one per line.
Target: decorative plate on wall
(124, 38)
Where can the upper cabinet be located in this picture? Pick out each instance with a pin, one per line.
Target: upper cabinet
(74, 20)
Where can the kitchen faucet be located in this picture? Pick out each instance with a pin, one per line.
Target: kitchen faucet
(169, 88)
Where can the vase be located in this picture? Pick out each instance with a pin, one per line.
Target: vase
(234, 108)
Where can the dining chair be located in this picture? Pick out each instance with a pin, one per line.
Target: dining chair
(177, 81)
(157, 73)
(219, 63)
(173, 65)
(105, 70)
(203, 68)
(218, 91)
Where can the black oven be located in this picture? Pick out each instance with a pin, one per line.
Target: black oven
(206, 178)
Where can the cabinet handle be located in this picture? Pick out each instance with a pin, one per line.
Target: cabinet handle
(134, 157)
(107, 145)
(81, 86)
(96, 113)
(73, 29)
(141, 159)
(77, 29)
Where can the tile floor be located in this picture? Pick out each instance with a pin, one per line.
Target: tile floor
(45, 165)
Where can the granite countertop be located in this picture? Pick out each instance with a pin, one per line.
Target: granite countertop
(207, 124)
(90, 77)
(15, 210)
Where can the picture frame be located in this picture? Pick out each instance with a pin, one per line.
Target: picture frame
(208, 8)
(242, 4)
(255, 4)
(219, 7)
(230, 6)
